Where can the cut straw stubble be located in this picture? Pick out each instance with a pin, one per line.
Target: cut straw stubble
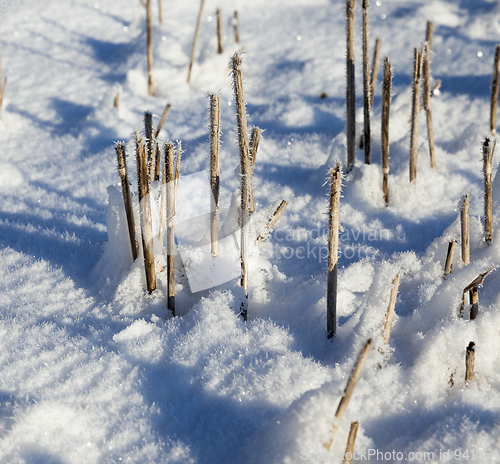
(195, 40)
(122, 170)
(333, 247)
(366, 86)
(464, 222)
(254, 146)
(349, 389)
(494, 91)
(350, 86)
(427, 91)
(272, 221)
(449, 257)
(487, 171)
(145, 214)
(162, 120)
(170, 178)
(149, 46)
(390, 309)
(415, 111)
(245, 175)
(219, 31)
(386, 109)
(214, 170)
(373, 76)
(349, 449)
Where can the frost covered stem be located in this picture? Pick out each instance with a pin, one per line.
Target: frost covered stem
(415, 110)
(427, 91)
(145, 214)
(349, 449)
(195, 40)
(149, 43)
(386, 109)
(494, 92)
(219, 31)
(366, 87)
(449, 257)
(333, 248)
(470, 355)
(272, 221)
(170, 175)
(122, 170)
(214, 170)
(254, 146)
(148, 130)
(236, 25)
(487, 161)
(157, 162)
(349, 389)
(464, 221)
(390, 309)
(373, 76)
(163, 118)
(350, 86)
(245, 172)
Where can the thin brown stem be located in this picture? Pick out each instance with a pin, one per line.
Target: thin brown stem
(127, 199)
(386, 109)
(162, 120)
(195, 40)
(333, 248)
(214, 170)
(349, 449)
(170, 177)
(494, 91)
(415, 110)
(373, 76)
(350, 87)
(349, 389)
(470, 355)
(487, 172)
(464, 221)
(254, 146)
(272, 221)
(449, 257)
(427, 92)
(219, 31)
(149, 43)
(390, 309)
(236, 25)
(366, 87)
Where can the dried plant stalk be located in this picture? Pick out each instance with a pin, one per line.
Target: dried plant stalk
(470, 355)
(219, 31)
(366, 87)
(163, 207)
(157, 162)
(214, 170)
(427, 91)
(351, 383)
(386, 109)
(350, 87)
(272, 221)
(122, 171)
(449, 257)
(236, 25)
(195, 40)
(160, 10)
(390, 309)
(254, 146)
(116, 102)
(149, 43)
(2, 91)
(487, 161)
(178, 168)
(162, 120)
(170, 175)
(245, 173)
(474, 302)
(373, 76)
(415, 110)
(464, 220)
(333, 249)
(349, 449)
(148, 130)
(145, 208)
(494, 92)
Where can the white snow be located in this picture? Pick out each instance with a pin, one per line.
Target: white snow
(93, 369)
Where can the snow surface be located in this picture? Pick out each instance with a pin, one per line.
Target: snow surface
(95, 370)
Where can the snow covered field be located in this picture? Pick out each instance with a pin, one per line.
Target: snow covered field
(95, 370)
